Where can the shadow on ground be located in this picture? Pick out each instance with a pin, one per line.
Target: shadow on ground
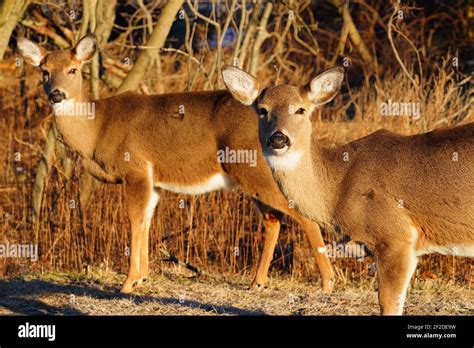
(22, 297)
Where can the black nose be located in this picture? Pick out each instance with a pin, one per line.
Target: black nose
(279, 140)
(56, 96)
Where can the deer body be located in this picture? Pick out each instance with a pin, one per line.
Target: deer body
(360, 193)
(402, 196)
(154, 136)
(167, 142)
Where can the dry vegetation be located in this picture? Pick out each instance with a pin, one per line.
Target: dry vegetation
(209, 229)
(176, 292)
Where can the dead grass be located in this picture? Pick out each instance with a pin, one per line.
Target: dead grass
(173, 292)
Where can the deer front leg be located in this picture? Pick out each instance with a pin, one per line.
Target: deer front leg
(271, 222)
(396, 265)
(143, 270)
(141, 202)
(150, 209)
(319, 252)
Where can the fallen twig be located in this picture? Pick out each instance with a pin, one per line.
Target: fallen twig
(191, 267)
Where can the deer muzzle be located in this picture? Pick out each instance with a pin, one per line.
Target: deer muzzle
(56, 96)
(278, 141)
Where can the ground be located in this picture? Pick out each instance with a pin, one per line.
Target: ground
(172, 293)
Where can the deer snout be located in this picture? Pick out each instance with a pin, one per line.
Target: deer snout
(56, 96)
(278, 141)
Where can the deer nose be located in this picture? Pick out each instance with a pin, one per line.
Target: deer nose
(278, 141)
(56, 96)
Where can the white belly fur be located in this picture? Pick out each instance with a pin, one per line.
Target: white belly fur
(456, 250)
(213, 183)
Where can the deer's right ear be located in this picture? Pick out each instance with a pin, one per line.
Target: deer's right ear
(241, 85)
(85, 48)
(31, 52)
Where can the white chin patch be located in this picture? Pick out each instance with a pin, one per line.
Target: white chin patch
(287, 161)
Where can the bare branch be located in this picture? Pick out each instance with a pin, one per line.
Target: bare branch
(157, 39)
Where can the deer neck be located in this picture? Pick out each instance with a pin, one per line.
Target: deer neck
(78, 123)
(309, 183)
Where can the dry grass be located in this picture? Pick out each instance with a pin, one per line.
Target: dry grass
(173, 292)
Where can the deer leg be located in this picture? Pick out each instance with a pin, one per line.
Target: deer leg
(145, 240)
(141, 201)
(319, 252)
(271, 222)
(143, 270)
(396, 265)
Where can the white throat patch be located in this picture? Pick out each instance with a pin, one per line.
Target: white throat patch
(287, 161)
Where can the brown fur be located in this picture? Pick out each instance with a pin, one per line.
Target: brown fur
(400, 195)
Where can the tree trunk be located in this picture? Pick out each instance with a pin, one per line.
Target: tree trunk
(262, 35)
(42, 172)
(156, 40)
(354, 34)
(11, 12)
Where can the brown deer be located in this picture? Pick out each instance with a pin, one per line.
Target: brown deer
(166, 142)
(402, 196)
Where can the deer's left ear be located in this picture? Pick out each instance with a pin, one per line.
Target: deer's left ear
(242, 86)
(324, 87)
(85, 48)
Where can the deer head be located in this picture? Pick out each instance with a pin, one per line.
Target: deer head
(284, 111)
(62, 78)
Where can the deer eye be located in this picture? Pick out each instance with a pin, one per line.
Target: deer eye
(45, 75)
(300, 111)
(263, 112)
(72, 71)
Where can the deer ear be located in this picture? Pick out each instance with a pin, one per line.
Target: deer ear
(85, 48)
(324, 87)
(31, 52)
(241, 85)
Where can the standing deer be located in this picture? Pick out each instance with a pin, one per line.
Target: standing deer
(402, 196)
(168, 142)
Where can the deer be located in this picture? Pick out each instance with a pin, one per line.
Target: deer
(401, 196)
(171, 142)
